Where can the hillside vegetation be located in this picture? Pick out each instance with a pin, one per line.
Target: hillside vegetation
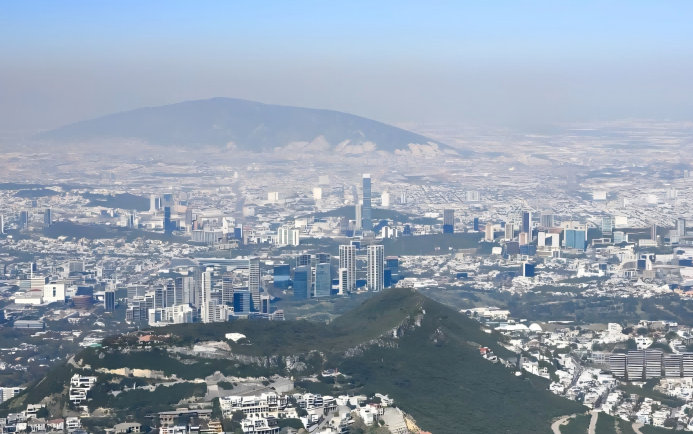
(398, 342)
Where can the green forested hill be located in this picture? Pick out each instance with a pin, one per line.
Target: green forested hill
(398, 342)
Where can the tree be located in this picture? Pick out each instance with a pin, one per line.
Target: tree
(237, 416)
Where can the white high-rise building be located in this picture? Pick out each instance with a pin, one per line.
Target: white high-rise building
(473, 196)
(385, 199)
(317, 193)
(207, 304)
(376, 266)
(273, 196)
(2, 224)
(295, 237)
(254, 280)
(358, 208)
(152, 203)
(681, 226)
(403, 198)
(288, 236)
(509, 231)
(347, 261)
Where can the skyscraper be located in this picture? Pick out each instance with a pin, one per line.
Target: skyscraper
(47, 218)
(302, 282)
(23, 219)
(681, 226)
(385, 199)
(653, 232)
(358, 210)
(376, 266)
(403, 198)
(547, 219)
(206, 303)
(303, 260)
(323, 280)
(509, 231)
(188, 219)
(168, 228)
(489, 232)
(607, 225)
(282, 276)
(109, 300)
(476, 224)
(526, 221)
(347, 262)
(448, 221)
(2, 224)
(367, 222)
(254, 279)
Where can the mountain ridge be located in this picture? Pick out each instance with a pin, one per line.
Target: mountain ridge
(243, 125)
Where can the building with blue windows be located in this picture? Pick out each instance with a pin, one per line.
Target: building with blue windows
(282, 276)
(366, 210)
(302, 282)
(575, 239)
(323, 280)
(242, 301)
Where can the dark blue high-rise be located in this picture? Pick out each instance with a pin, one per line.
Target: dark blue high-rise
(302, 282)
(167, 220)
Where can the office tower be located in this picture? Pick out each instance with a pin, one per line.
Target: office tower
(448, 221)
(619, 237)
(294, 237)
(526, 221)
(403, 198)
(242, 301)
(265, 304)
(347, 261)
(681, 226)
(179, 291)
(283, 236)
(547, 219)
(227, 290)
(343, 281)
(367, 222)
(238, 232)
(509, 231)
(152, 203)
(23, 219)
(527, 270)
(376, 266)
(136, 291)
(34, 203)
(167, 220)
(607, 225)
(302, 282)
(170, 298)
(273, 196)
(575, 239)
(323, 280)
(489, 232)
(317, 193)
(653, 232)
(322, 258)
(385, 199)
(476, 224)
(282, 276)
(392, 264)
(47, 219)
(168, 200)
(188, 219)
(303, 260)
(109, 300)
(473, 196)
(254, 279)
(159, 300)
(387, 278)
(131, 220)
(206, 303)
(358, 210)
(2, 224)
(687, 364)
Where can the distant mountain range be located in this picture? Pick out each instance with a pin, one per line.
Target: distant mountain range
(248, 126)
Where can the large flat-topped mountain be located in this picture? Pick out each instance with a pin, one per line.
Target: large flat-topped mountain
(248, 126)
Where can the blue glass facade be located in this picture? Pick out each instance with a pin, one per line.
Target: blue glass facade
(302, 285)
(476, 224)
(242, 301)
(282, 276)
(323, 280)
(574, 239)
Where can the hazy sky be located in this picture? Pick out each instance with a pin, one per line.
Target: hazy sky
(511, 62)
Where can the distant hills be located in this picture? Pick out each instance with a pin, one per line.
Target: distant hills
(243, 125)
(398, 342)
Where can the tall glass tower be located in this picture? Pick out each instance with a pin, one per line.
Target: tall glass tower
(367, 222)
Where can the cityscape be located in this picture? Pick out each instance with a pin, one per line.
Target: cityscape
(198, 237)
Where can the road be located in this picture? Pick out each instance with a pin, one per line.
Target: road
(636, 428)
(556, 426)
(593, 422)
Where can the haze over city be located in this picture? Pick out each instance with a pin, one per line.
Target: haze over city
(346, 218)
